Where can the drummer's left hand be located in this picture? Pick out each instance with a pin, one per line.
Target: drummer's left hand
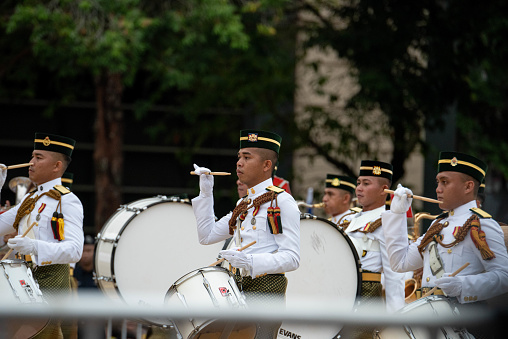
(451, 286)
(23, 245)
(237, 259)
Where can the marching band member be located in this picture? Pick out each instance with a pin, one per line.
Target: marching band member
(365, 231)
(57, 214)
(462, 234)
(338, 195)
(268, 215)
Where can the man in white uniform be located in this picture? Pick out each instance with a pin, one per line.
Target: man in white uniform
(365, 230)
(56, 238)
(267, 215)
(463, 234)
(338, 195)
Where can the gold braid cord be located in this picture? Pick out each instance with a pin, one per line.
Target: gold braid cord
(243, 206)
(473, 222)
(28, 205)
(372, 226)
(345, 224)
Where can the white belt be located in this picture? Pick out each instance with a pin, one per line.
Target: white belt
(365, 244)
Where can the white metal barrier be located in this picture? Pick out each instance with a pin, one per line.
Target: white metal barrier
(97, 309)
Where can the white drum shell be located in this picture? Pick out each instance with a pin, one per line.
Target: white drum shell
(146, 246)
(17, 283)
(329, 273)
(432, 305)
(190, 291)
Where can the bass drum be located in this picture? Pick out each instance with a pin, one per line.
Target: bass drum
(329, 271)
(145, 247)
(432, 305)
(17, 285)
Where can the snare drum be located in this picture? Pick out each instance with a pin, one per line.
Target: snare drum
(145, 247)
(329, 270)
(209, 287)
(432, 305)
(17, 285)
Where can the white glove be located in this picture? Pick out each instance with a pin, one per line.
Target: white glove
(451, 286)
(23, 245)
(401, 201)
(3, 175)
(205, 181)
(237, 259)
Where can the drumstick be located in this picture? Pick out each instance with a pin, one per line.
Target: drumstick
(417, 197)
(451, 275)
(212, 173)
(19, 166)
(240, 249)
(26, 232)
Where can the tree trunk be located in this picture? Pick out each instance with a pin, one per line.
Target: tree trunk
(108, 156)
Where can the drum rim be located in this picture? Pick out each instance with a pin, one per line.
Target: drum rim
(197, 271)
(14, 261)
(161, 200)
(308, 216)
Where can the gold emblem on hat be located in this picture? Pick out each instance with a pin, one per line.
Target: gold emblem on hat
(454, 161)
(46, 141)
(253, 137)
(335, 182)
(376, 170)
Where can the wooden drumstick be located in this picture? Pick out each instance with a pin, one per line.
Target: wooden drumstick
(212, 173)
(240, 249)
(24, 234)
(417, 197)
(19, 166)
(451, 275)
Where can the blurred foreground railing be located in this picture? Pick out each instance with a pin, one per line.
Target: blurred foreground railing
(96, 309)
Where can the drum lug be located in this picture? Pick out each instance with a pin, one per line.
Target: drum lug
(106, 279)
(110, 240)
(236, 291)
(210, 292)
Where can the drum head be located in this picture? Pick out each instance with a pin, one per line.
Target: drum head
(329, 272)
(155, 247)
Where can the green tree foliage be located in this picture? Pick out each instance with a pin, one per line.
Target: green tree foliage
(416, 62)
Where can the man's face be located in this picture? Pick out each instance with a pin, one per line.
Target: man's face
(44, 167)
(370, 192)
(242, 188)
(451, 189)
(334, 200)
(250, 167)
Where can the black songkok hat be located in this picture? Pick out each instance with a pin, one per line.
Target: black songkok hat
(462, 163)
(260, 139)
(54, 143)
(67, 179)
(340, 181)
(373, 168)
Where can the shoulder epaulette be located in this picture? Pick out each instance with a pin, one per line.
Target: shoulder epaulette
(480, 212)
(356, 209)
(62, 189)
(275, 189)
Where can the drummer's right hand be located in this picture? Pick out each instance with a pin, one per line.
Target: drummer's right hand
(401, 200)
(205, 181)
(3, 174)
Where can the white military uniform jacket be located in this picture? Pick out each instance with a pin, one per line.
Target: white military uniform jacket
(376, 258)
(481, 280)
(272, 253)
(336, 218)
(50, 250)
